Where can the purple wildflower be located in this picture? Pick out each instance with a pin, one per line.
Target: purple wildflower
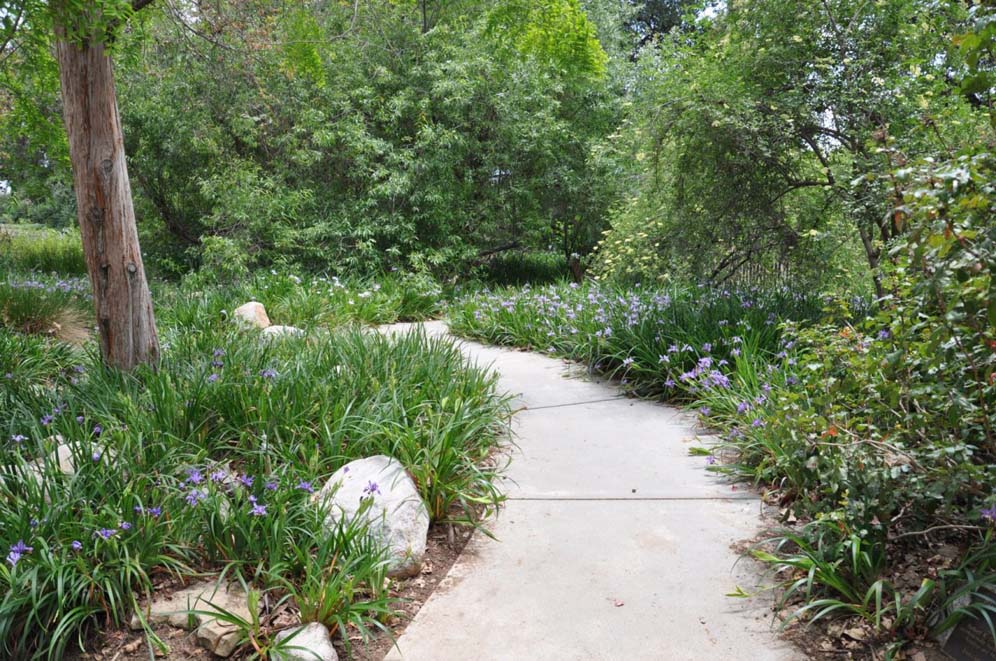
(18, 550)
(305, 487)
(268, 373)
(194, 476)
(743, 407)
(124, 525)
(257, 508)
(705, 410)
(80, 419)
(371, 488)
(218, 476)
(18, 438)
(271, 485)
(989, 514)
(246, 480)
(212, 378)
(218, 353)
(105, 533)
(77, 545)
(195, 496)
(710, 460)
(46, 420)
(98, 430)
(757, 422)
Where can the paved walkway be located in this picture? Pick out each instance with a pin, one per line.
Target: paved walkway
(614, 543)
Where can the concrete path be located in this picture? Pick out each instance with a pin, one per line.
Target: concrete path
(614, 543)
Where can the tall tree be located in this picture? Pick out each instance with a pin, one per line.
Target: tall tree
(84, 30)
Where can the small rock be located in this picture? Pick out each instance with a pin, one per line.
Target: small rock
(219, 638)
(176, 609)
(252, 314)
(282, 331)
(856, 633)
(397, 517)
(310, 643)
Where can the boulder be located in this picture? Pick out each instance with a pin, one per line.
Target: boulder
(397, 517)
(252, 314)
(309, 643)
(63, 457)
(177, 610)
(282, 331)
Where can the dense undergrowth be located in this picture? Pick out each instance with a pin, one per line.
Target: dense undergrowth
(208, 463)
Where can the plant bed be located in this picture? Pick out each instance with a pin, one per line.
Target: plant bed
(208, 465)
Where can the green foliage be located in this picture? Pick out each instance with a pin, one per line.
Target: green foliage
(159, 454)
(554, 31)
(833, 573)
(43, 306)
(748, 139)
(422, 150)
(659, 341)
(25, 248)
(207, 298)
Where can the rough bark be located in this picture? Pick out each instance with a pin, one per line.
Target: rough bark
(105, 212)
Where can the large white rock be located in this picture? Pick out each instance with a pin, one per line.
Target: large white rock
(310, 643)
(282, 331)
(397, 517)
(252, 314)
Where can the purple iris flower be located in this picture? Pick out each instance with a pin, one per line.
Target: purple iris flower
(18, 550)
(195, 496)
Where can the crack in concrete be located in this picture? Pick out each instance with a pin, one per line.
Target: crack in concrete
(560, 406)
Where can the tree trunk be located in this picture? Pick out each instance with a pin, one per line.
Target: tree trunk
(103, 195)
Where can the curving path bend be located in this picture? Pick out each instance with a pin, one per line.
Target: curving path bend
(614, 542)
